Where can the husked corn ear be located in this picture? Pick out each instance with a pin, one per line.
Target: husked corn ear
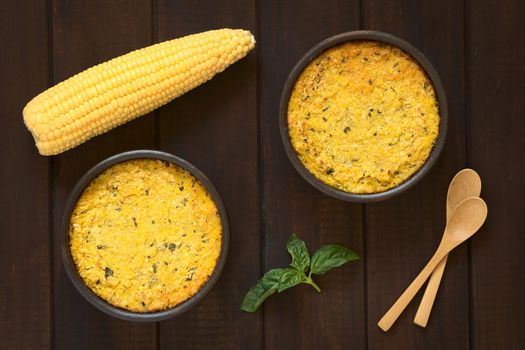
(124, 88)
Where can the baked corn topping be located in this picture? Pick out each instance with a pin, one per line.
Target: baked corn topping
(145, 235)
(363, 117)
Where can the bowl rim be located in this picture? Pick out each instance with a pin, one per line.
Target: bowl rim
(71, 269)
(359, 35)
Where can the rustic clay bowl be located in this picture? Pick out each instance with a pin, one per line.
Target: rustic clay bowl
(70, 267)
(371, 36)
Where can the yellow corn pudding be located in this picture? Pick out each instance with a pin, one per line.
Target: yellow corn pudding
(363, 117)
(145, 235)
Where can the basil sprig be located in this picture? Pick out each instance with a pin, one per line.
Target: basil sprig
(300, 271)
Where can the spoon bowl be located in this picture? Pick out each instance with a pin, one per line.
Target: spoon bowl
(466, 220)
(465, 184)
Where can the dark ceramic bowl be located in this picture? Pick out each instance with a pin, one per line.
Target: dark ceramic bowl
(356, 36)
(78, 282)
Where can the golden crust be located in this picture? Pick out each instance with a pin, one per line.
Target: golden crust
(363, 117)
(145, 235)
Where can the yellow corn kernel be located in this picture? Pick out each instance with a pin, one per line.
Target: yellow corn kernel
(124, 88)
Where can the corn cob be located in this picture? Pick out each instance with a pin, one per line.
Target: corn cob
(124, 88)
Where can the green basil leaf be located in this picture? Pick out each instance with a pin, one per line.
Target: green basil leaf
(330, 256)
(265, 287)
(299, 252)
(289, 279)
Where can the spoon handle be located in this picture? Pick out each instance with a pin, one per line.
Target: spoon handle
(423, 312)
(393, 313)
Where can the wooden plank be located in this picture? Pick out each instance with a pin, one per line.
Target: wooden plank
(301, 318)
(215, 128)
(24, 182)
(86, 33)
(496, 81)
(403, 233)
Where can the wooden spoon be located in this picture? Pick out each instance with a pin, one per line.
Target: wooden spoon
(464, 222)
(465, 184)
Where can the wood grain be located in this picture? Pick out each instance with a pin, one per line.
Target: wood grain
(496, 134)
(86, 33)
(300, 318)
(403, 233)
(25, 287)
(215, 128)
(229, 129)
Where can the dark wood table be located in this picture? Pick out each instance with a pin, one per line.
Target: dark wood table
(229, 129)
